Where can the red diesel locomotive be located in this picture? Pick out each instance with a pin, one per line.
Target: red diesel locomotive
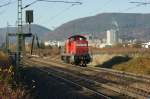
(76, 51)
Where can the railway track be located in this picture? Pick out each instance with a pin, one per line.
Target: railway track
(144, 78)
(138, 77)
(72, 79)
(118, 82)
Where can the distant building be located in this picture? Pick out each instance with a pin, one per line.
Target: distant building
(112, 37)
(54, 43)
(104, 40)
(120, 41)
(102, 45)
(89, 37)
(146, 45)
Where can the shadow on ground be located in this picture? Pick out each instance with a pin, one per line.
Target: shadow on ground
(43, 86)
(114, 61)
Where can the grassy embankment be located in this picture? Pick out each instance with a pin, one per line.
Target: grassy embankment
(128, 60)
(138, 65)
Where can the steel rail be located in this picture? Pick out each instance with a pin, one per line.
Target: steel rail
(139, 77)
(56, 74)
(123, 75)
(106, 86)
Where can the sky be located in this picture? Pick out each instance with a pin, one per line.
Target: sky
(52, 15)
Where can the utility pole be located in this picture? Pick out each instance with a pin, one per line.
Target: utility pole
(19, 34)
(7, 41)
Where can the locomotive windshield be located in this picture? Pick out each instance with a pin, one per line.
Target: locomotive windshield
(77, 37)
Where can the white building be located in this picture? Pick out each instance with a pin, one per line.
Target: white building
(146, 45)
(112, 37)
(54, 43)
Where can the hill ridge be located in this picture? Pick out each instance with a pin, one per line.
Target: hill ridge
(131, 25)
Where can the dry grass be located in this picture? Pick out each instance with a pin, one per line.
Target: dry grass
(6, 89)
(138, 65)
(5, 61)
(6, 80)
(100, 59)
(47, 52)
(3, 57)
(139, 62)
(120, 50)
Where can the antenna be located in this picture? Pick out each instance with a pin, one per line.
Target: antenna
(115, 24)
(116, 29)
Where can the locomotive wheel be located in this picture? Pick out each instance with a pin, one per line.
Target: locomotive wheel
(76, 63)
(83, 65)
(67, 59)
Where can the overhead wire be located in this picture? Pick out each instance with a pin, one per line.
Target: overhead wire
(104, 5)
(138, 4)
(5, 5)
(68, 8)
(142, 3)
(63, 10)
(30, 4)
(131, 8)
(61, 1)
(71, 2)
(54, 1)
